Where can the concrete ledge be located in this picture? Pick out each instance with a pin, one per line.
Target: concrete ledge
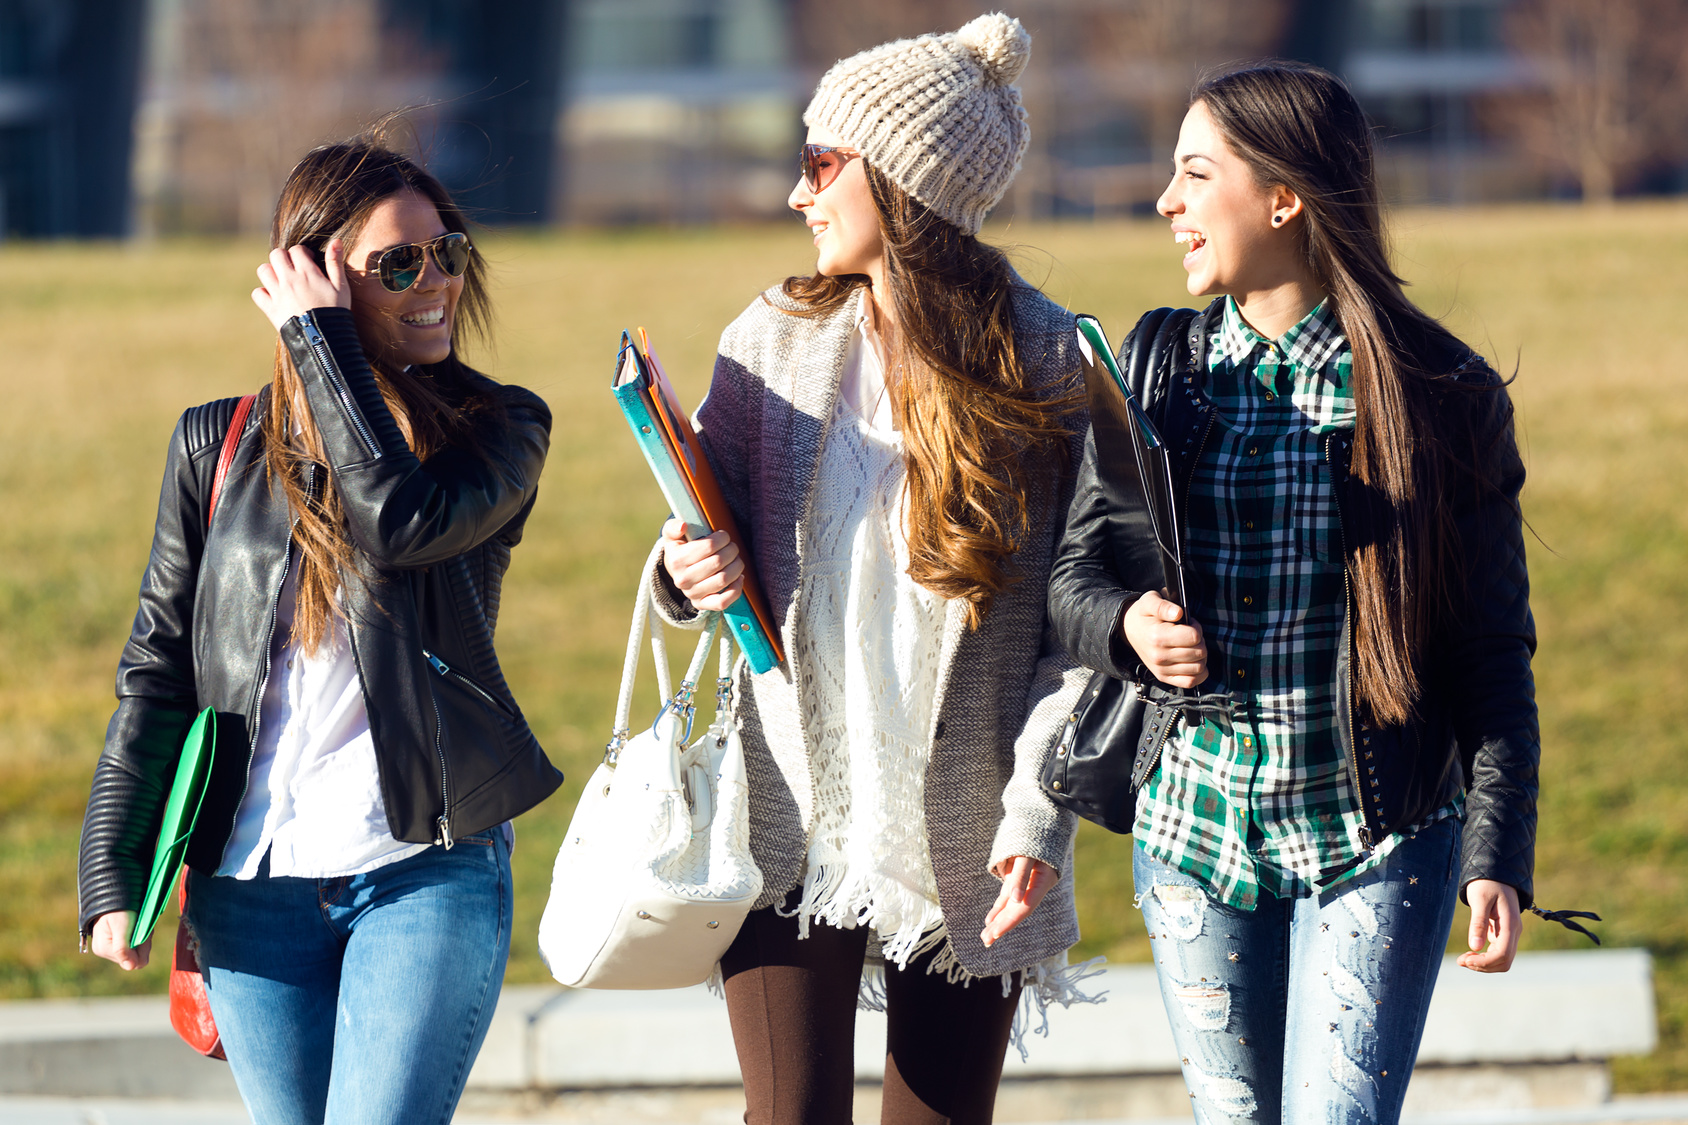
(1552, 1007)
(121, 1047)
(1583, 1004)
(1490, 1040)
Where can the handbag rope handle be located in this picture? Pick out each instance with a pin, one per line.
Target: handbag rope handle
(645, 622)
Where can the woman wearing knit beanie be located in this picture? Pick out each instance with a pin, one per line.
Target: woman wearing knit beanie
(896, 436)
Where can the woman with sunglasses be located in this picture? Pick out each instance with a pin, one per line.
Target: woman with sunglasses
(1359, 627)
(349, 885)
(896, 435)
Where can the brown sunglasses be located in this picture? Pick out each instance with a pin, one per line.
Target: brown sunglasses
(820, 164)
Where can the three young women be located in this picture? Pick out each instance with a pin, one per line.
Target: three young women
(896, 435)
(349, 891)
(1360, 609)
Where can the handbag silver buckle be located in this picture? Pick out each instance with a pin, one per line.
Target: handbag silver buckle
(612, 751)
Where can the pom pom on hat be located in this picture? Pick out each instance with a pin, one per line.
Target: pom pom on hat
(1000, 45)
(939, 115)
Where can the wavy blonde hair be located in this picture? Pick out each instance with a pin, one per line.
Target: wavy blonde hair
(978, 437)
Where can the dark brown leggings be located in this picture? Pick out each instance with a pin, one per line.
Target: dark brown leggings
(793, 1009)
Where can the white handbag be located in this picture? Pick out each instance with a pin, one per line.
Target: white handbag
(655, 876)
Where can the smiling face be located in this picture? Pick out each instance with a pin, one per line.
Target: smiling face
(413, 327)
(1242, 236)
(842, 217)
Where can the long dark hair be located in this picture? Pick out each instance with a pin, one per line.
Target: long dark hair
(1299, 127)
(330, 194)
(975, 428)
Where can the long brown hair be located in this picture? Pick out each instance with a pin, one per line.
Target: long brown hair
(976, 431)
(330, 194)
(1299, 127)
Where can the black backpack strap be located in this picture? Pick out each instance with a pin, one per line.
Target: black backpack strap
(1135, 352)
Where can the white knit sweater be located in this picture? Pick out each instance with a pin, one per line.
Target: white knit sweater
(873, 636)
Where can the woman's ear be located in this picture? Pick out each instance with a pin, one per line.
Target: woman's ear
(1286, 205)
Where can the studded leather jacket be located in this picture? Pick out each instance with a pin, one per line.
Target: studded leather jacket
(454, 753)
(1475, 727)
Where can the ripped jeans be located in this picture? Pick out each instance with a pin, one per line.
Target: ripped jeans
(1306, 1009)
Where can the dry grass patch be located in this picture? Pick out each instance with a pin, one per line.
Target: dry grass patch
(106, 345)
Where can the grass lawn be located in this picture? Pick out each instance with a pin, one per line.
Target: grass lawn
(104, 346)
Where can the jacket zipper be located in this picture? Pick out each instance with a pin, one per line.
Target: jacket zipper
(443, 821)
(467, 681)
(319, 347)
(1348, 635)
(1189, 487)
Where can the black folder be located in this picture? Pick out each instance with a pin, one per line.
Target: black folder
(1132, 461)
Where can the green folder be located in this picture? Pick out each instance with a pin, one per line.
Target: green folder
(181, 812)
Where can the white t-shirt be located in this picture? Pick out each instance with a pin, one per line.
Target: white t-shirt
(313, 793)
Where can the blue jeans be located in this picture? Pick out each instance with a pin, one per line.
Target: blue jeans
(363, 999)
(1304, 1009)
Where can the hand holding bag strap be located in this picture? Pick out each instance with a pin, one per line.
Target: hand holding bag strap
(1105, 751)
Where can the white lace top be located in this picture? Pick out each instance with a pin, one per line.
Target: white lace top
(872, 639)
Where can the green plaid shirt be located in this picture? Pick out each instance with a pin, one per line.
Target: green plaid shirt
(1261, 802)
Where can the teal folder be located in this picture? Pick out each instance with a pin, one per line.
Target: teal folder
(181, 813)
(682, 471)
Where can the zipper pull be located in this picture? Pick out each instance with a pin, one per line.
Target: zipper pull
(445, 837)
(438, 665)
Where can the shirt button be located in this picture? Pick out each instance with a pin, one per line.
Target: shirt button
(1247, 741)
(1248, 599)
(1241, 673)
(290, 663)
(1248, 525)
(1270, 396)
(1253, 450)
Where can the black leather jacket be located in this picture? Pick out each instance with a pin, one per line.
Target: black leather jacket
(1476, 725)
(455, 755)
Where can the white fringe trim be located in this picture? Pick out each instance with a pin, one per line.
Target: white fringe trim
(905, 923)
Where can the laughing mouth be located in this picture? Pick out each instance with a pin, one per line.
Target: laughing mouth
(427, 318)
(1196, 239)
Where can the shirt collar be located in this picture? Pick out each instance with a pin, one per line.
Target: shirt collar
(1309, 346)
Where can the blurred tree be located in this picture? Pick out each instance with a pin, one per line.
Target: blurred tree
(1611, 97)
(240, 89)
(296, 73)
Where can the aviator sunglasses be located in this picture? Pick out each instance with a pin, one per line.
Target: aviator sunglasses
(820, 164)
(400, 266)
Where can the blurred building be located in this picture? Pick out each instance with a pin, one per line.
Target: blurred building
(68, 75)
(679, 110)
(154, 116)
(1425, 70)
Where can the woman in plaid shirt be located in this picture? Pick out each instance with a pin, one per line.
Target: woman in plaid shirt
(1359, 629)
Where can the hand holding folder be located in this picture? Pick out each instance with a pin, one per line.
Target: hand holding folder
(677, 459)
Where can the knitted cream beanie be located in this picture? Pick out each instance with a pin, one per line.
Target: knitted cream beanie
(938, 114)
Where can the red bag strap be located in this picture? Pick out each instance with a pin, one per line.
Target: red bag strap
(237, 425)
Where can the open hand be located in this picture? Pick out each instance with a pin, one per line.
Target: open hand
(110, 939)
(291, 283)
(1495, 919)
(1174, 654)
(1024, 884)
(709, 572)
